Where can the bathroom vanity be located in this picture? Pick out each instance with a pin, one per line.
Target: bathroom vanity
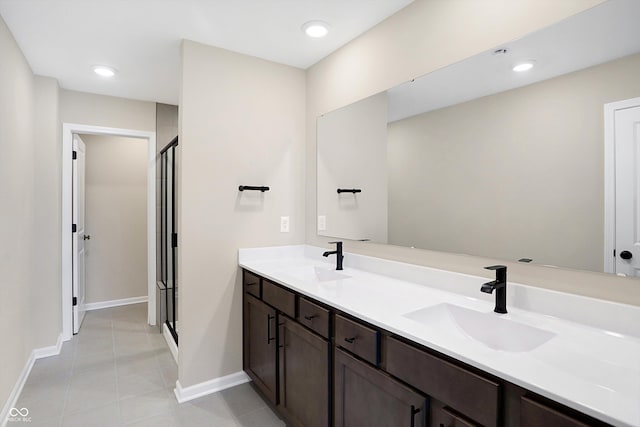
(382, 343)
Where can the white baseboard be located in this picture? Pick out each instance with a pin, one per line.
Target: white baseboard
(114, 303)
(37, 353)
(170, 341)
(53, 350)
(184, 394)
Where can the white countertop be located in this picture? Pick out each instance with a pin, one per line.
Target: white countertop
(591, 365)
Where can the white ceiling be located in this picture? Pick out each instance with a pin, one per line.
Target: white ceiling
(141, 38)
(601, 34)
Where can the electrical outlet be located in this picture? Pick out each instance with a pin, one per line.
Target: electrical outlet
(322, 223)
(284, 224)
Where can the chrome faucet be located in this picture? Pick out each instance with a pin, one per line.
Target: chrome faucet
(500, 286)
(338, 252)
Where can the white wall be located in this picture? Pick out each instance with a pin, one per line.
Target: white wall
(519, 174)
(427, 35)
(241, 123)
(116, 217)
(353, 154)
(29, 278)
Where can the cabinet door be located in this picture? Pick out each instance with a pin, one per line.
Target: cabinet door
(365, 396)
(259, 342)
(304, 375)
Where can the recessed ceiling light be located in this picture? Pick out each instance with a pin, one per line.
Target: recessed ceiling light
(316, 29)
(523, 66)
(104, 71)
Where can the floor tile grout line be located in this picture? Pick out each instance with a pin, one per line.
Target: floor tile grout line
(115, 362)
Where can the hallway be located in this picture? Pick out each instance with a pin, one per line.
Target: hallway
(119, 371)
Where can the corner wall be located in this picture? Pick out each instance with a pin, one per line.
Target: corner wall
(425, 36)
(45, 311)
(30, 279)
(241, 123)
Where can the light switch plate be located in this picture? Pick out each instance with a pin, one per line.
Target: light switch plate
(322, 223)
(284, 224)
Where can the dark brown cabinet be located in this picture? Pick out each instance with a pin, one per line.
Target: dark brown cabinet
(358, 339)
(365, 396)
(259, 341)
(252, 284)
(442, 416)
(278, 297)
(533, 414)
(304, 375)
(322, 367)
(314, 317)
(468, 393)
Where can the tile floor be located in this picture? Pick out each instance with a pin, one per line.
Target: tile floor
(118, 371)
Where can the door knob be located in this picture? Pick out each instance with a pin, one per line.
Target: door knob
(86, 237)
(626, 255)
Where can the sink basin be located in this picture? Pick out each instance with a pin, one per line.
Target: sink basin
(488, 328)
(316, 274)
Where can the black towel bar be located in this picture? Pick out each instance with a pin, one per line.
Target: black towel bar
(253, 187)
(349, 190)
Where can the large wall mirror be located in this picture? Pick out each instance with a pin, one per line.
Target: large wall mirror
(477, 158)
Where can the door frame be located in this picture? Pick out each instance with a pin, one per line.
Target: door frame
(68, 129)
(610, 110)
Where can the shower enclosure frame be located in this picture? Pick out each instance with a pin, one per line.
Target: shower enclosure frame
(169, 235)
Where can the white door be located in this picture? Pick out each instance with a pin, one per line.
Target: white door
(627, 191)
(79, 237)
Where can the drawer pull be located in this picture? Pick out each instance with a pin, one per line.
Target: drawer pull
(311, 317)
(350, 340)
(414, 411)
(251, 284)
(269, 319)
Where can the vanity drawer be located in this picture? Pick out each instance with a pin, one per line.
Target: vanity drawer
(446, 417)
(534, 414)
(251, 284)
(358, 339)
(280, 298)
(473, 396)
(314, 317)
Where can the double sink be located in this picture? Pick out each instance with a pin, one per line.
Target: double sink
(487, 328)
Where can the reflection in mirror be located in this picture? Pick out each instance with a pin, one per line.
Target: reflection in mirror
(478, 159)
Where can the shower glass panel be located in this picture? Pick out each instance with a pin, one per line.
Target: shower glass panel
(169, 236)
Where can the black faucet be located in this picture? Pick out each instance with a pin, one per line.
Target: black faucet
(338, 252)
(500, 286)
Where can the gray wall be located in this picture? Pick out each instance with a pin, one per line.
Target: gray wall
(100, 110)
(242, 122)
(30, 211)
(116, 217)
(515, 175)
